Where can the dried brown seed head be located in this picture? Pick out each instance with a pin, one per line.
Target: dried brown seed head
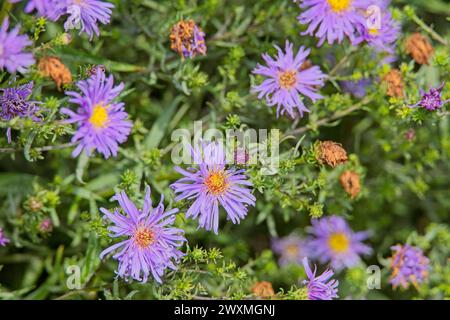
(394, 82)
(53, 67)
(420, 48)
(263, 289)
(350, 181)
(331, 153)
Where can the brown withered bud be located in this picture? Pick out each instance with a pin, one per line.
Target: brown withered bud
(351, 183)
(34, 204)
(263, 289)
(394, 82)
(53, 67)
(420, 48)
(331, 153)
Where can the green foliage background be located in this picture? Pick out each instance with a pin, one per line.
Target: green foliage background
(406, 187)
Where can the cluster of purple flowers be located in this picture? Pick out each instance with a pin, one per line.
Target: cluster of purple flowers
(81, 14)
(331, 241)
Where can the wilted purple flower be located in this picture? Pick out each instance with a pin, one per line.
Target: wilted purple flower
(213, 184)
(152, 243)
(409, 266)
(3, 239)
(12, 57)
(14, 102)
(331, 20)
(320, 287)
(432, 99)
(333, 241)
(356, 88)
(187, 39)
(102, 123)
(291, 249)
(84, 15)
(287, 78)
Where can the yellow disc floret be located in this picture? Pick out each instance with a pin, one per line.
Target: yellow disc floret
(339, 242)
(99, 117)
(339, 5)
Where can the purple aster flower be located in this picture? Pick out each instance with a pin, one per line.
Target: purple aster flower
(320, 287)
(383, 39)
(12, 57)
(51, 9)
(333, 241)
(102, 123)
(409, 266)
(151, 243)
(291, 249)
(213, 184)
(46, 226)
(287, 78)
(14, 102)
(357, 88)
(432, 99)
(331, 20)
(3, 239)
(84, 15)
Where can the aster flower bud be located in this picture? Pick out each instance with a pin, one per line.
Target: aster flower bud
(351, 183)
(54, 68)
(394, 82)
(420, 48)
(410, 135)
(331, 153)
(46, 226)
(34, 205)
(263, 289)
(187, 39)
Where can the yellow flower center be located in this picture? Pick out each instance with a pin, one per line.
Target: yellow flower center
(99, 116)
(339, 242)
(374, 32)
(292, 250)
(287, 79)
(216, 182)
(339, 5)
(143, 237)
